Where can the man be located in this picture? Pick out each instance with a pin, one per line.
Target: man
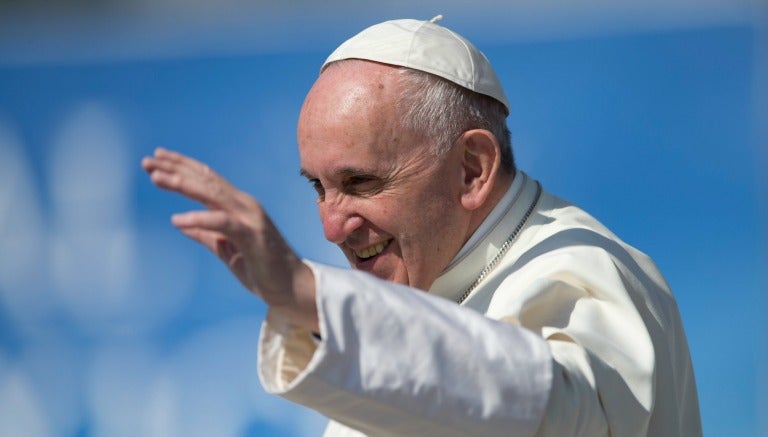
(536, 319)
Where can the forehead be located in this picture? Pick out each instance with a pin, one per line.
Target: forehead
(350, 88)
(350, 116)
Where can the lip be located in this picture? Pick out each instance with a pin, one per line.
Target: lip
(368, 263)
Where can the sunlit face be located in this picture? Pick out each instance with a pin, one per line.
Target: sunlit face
(390, 205)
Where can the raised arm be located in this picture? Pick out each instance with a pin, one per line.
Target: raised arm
(235, 227)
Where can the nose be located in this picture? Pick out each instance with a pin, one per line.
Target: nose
(338, 221)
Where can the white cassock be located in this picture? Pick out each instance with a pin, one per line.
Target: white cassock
(572, 332)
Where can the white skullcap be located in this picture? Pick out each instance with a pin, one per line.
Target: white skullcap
(424, 46)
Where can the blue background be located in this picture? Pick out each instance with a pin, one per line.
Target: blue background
(112, 323)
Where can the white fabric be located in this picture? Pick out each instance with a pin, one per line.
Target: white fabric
(494, 217)
(428, 47)
(574, 333)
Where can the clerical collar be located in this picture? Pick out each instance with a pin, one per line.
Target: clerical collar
(490, 242)
(497, 213)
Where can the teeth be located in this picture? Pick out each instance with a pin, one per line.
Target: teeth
(374, 250)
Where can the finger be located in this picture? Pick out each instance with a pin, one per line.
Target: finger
(213, 220)
(163, 153)
(171, 161)
(217, 243)
(171, 181)
(181, 159)
(148, 163)
(230, 254)
(194, 180)
(158, 156)
(207, 238)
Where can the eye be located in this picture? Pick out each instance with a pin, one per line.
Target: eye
(318, 187)
(362, 184)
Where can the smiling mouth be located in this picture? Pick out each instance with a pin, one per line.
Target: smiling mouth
(371, 251)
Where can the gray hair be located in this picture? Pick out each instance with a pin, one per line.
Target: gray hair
(442, 111)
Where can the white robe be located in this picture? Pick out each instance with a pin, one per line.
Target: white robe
(572, 333)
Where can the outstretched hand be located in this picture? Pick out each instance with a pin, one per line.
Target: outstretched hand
(235, 227)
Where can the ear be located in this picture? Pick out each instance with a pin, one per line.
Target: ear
(480, 163)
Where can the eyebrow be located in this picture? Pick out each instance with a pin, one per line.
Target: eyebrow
(342, 171)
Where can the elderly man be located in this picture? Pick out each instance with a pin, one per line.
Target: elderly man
(536, 319)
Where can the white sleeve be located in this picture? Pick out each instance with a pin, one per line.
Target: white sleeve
(590, 306)
(396, 361)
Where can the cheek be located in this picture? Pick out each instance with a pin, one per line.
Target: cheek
(441, 230)
(423, 228)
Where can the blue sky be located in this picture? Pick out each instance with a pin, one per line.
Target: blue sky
(654, 130)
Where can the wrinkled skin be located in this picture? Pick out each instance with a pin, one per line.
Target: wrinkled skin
(236, 228)
(396, 210)
(378, 184)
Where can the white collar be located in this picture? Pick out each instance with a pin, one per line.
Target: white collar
(498, 211)
(485, 242)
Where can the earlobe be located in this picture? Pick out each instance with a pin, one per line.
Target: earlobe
(480, 164)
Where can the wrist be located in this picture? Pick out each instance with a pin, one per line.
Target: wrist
(301, 307)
